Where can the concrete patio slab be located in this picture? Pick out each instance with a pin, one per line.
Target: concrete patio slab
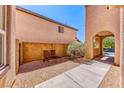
(86, 76)
(98, 64)
(96, 68)
(61, 81)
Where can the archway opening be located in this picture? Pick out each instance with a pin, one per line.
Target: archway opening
(104, 46)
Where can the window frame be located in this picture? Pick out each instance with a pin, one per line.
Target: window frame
(3, 33)
(60, 29)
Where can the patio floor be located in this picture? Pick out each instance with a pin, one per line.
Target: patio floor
(30, 77)
(39, 64)
(87, 75)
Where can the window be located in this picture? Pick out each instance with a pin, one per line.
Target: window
(2, 17)
(2, 36)
(61, 29)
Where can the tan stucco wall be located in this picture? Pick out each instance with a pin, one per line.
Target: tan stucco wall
(30, 28)
(34, 51)
(8, 78)
(122, 47)
(0, 49)
(98, 19)
(96, 50)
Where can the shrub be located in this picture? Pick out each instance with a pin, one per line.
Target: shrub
(109, 42)
(76, 49)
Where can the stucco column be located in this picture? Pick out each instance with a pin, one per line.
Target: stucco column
(89, 48)
(122, 47)
(99, 44)
(10, 76)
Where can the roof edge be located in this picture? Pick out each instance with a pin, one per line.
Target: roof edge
(44, 17)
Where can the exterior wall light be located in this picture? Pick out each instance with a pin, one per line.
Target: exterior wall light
(107, 7)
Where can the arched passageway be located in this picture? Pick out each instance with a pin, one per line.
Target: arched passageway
(95, 48)
(104, 46)
(102, 22)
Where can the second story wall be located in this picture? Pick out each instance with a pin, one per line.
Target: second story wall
(99, 18)
(30, 28)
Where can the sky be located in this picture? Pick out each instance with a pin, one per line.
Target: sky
(72, 15)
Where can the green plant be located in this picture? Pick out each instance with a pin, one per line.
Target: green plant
(76, 49)
(109, 42)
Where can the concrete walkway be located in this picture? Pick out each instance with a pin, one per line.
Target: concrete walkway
(87, 75)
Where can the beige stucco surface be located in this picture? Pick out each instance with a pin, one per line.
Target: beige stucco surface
(98, 19)
(122, 47)
(8, 78)
(30, 28)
